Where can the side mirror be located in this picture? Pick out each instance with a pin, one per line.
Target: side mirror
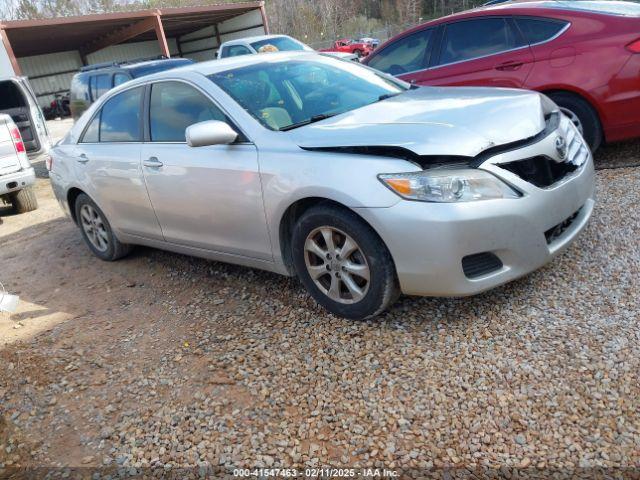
(211, 132)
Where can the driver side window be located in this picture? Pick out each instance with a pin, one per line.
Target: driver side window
(408, 54)
(175, 106)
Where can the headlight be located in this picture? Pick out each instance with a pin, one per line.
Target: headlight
(447, 186)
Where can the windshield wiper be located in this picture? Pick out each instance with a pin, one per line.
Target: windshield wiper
(315, 118)
(387, 95)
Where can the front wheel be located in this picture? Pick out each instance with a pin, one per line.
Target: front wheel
(343, 263)
(582, 115)
(97, 232)
(358, 53)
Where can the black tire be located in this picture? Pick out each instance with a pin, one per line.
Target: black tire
(24, 200)
(358, 53)
(592, 129)
(383, 287)
(115, 249)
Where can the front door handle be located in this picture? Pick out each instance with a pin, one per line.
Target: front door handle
(509, 66)
(152, 162)
(83, 158)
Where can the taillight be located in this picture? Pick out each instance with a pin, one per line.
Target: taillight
(17, 140)
(19, 146)
(634, 47)
(48, 161)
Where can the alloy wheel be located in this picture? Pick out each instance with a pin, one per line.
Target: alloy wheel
(337, 265)
(94, 227)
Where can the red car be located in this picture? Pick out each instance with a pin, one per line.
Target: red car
(349, 46)
(585, 55)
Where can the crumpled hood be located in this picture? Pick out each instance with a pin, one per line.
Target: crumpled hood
(461, 121)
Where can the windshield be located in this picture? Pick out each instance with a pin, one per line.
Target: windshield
(283, 44)
(288, 93)
(160, 66)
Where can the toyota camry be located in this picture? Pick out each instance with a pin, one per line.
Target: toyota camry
(361, 185)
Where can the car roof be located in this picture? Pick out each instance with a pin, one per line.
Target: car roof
(612, 7)
(151, 63)
(132, 65)
(215, 66)
(531, 7)
(255, 38)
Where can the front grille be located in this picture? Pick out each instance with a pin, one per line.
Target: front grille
(480, 264)
(543, 171)
(556, 232)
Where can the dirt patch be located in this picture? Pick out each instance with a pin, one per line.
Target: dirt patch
(162, 360)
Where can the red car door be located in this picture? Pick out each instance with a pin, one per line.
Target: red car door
(481, 52)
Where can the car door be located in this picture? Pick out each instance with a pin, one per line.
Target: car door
(206, 197)
(108, 164)
(487, 51)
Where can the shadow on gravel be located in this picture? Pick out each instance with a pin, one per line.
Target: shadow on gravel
(618, 155)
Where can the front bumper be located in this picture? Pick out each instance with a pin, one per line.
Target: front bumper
(428, 240)
(16, 181)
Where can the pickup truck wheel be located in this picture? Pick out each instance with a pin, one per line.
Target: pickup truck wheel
(343, 263)
(24, 200)
(97, 232)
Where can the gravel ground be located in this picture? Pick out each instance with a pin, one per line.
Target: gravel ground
(166, 361)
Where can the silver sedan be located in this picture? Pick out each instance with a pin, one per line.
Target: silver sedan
(361, 185)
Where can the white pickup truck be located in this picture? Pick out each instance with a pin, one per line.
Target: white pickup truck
(16, 173)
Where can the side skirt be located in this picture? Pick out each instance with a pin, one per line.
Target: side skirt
(204, 253)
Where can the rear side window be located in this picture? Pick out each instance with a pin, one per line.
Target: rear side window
(537, 30)
(92, 133)
(120, 117)
(175, 106)
(476, 38)
(80, 87)
(235, 51)
(100, 84)
(119, 79)
(406, 55)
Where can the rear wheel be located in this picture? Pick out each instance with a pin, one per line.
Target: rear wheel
(358, 53)
(582, 115)
(97, 231)
(343, 264)
(24, 200)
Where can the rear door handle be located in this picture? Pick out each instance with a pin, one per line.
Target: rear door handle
(152, 162)
(83, 158)
(509, 66)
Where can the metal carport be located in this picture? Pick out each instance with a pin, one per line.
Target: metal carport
(50, 51)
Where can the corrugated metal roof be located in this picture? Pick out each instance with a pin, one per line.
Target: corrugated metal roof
(35, 37)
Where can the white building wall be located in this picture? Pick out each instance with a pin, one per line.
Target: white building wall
(131, 51)
(249, 24)
(249, 19)
(6, 69)
(46, 75)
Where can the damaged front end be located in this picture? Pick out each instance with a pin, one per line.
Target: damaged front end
(552, 121)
